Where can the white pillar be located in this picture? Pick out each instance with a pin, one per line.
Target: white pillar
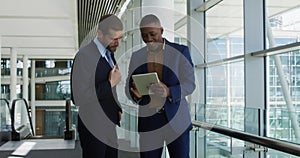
(25, 85)
(25, 77)
(13, 74)
(164, 10)
(197, 42)
(254, 85)
(32, 93)
(0, 60)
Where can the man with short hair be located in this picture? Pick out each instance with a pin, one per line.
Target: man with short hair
(163, 114)
(94, 79)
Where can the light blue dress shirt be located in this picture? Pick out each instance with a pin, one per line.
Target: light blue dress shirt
(103, 51)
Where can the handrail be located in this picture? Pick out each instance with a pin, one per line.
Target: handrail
(282, 146)
(13, 114)
(68, 133)
(68, 114)
(6, 101)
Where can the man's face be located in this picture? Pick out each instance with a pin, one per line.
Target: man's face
(111, 40)
(152, 36)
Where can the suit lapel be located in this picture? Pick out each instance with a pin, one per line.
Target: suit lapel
(167, 57)
(102, 58)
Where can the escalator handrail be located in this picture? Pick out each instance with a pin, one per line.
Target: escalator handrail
(68, 114)
(7, 102)
(13, 114)
(287, 147)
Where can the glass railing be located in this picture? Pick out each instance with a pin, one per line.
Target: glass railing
(6, 72)
(56, 90)
(21, 120)
(240, 119)
(40, 72)
(127, 132)
(54, 123)
(283, 125)
(247, 145)
(47, 72)
(222, 115)
(5, 121)
(70, 121)
(5, 116)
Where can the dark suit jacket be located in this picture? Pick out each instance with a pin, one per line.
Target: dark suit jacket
(178, 76)
(90, 80)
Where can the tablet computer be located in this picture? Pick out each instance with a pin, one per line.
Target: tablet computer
(143, 81)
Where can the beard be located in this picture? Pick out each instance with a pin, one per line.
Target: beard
(154, 46)
(111, 48)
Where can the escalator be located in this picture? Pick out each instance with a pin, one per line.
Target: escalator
(5, 121)
(22, 141)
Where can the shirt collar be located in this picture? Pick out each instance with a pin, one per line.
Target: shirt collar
(100, 47)
(160, 51)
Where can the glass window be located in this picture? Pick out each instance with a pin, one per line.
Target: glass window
(225, 95)
(224, 28)
(283, 18)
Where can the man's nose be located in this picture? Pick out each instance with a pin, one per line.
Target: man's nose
(116, 42)
(148, 39)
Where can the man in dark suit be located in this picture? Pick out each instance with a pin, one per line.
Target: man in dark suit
(94, 79)
(164, 115)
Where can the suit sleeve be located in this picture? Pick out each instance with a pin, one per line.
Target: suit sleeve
(186, 78)
(83, 88)
(129, 84)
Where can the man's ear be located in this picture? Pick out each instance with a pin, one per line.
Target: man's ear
(100, 34)
(162, 30)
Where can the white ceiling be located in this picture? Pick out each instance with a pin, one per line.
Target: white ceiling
(45, 29)
(38, 28)
(227, 16)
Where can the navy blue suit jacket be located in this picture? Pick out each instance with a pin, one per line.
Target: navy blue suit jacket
(177, 75)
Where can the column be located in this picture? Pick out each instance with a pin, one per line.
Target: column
(32, 94)
(25, 77)
(254, 87)
(25, 85)
(164, 10)
(0, 60)
(13, 74)
(197, 41)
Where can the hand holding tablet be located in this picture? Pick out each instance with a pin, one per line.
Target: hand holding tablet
(143, 81)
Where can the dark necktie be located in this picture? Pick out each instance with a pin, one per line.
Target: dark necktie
(109, 58)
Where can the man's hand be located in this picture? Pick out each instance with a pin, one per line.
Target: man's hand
(135, 92)
(160, 89)
(114, 76)
(120, 116)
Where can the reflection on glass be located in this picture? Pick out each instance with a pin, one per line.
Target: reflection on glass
(283, 21)
(21, 118)
(225, 95)
(284, 119)
(283, 115)
(224, 27)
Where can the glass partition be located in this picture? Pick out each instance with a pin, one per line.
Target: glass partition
(283, 116)
(5, 117)
(51, 120)
(283, 22)
(21, 118)
(224, 27)
(219, 145)
(225, 95)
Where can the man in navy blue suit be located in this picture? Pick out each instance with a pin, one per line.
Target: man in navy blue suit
(94, 79)
(163, 114)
